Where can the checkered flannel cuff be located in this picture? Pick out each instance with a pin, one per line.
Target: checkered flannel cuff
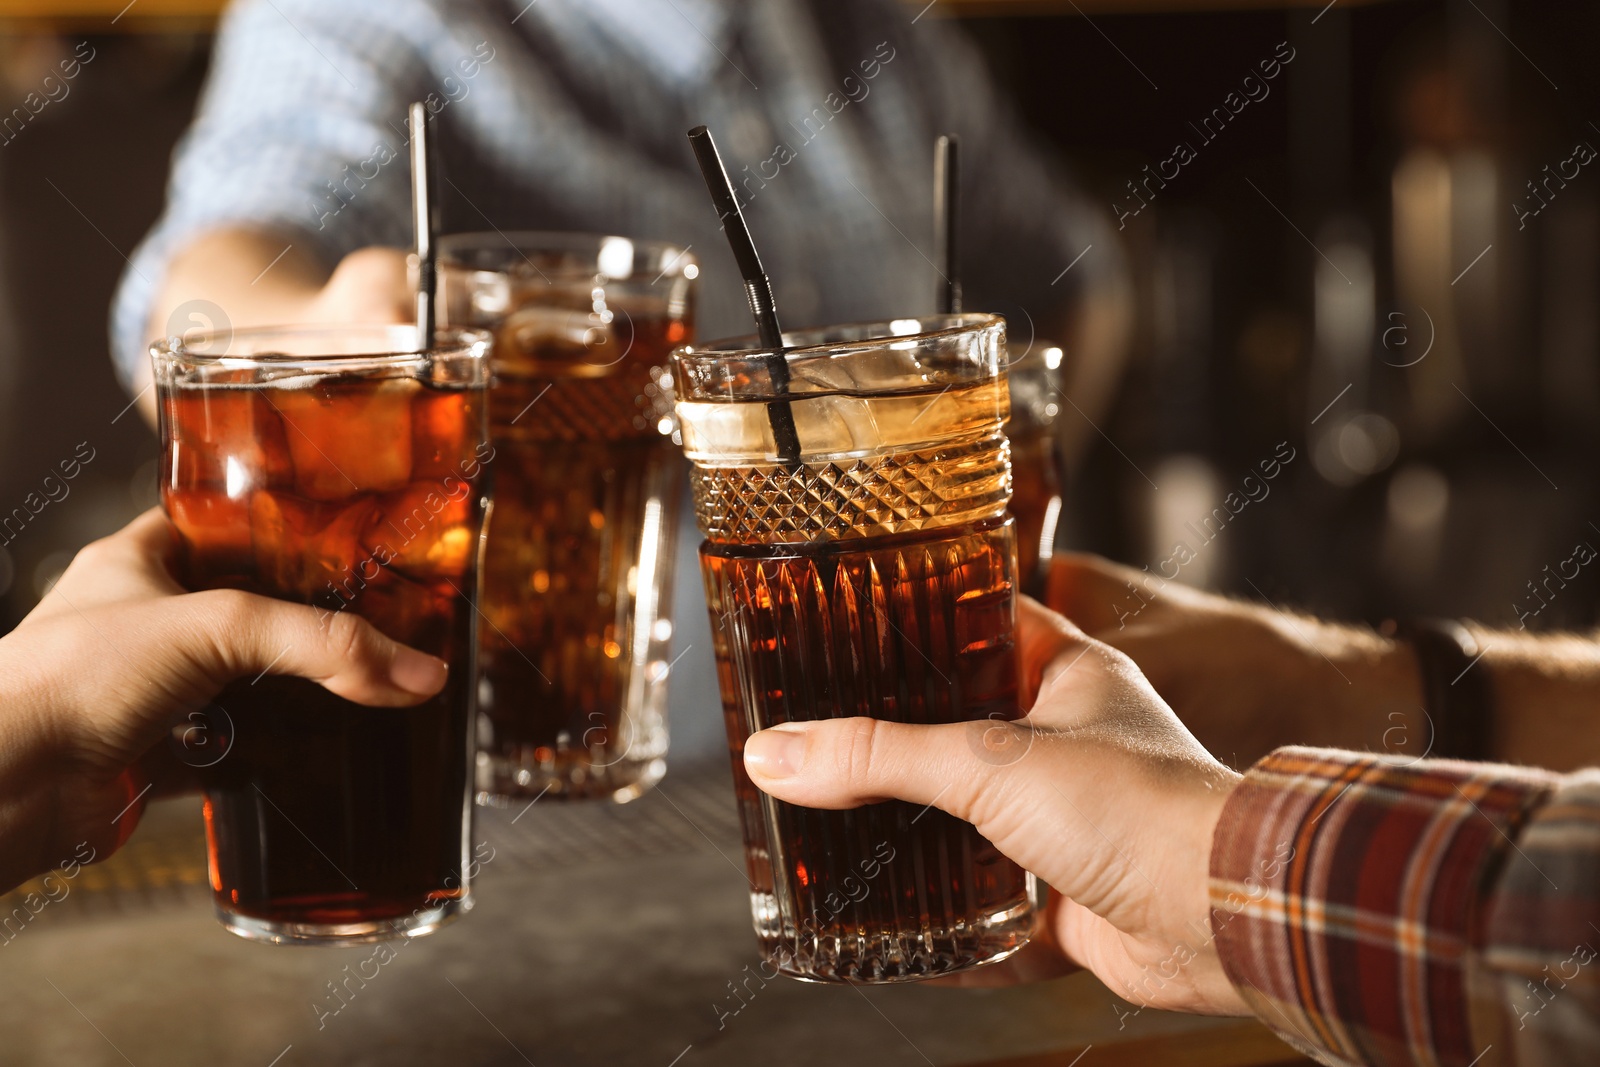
(1347, 892)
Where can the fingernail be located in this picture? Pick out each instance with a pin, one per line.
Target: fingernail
(775, 753)
(417, 672)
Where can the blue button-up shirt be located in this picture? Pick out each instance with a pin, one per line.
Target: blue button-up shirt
(571, 114)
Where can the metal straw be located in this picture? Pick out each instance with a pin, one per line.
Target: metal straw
(947, 221)
(423, 222)
(757, 287)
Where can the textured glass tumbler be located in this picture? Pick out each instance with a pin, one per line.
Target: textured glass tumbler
(872, 575)
(1036, 399)
(572, 680)
(342, 468)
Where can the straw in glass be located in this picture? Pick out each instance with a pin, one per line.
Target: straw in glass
(947, 222)
(757, 287)
(422, 219)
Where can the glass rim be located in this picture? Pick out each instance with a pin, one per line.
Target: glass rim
(449, 342)
(524, 241)
(814, 353)
(876, 333)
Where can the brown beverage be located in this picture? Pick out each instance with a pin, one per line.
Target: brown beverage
(354, 487)
(577, 566)
(917, 629)
(873, 576)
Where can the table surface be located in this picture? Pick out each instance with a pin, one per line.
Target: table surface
(602, 934)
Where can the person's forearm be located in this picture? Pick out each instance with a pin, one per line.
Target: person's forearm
(1545, 694)
(233, 277)
(1248, 678)
(1365, 690)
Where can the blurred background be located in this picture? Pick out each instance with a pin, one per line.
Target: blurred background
(1383, 262)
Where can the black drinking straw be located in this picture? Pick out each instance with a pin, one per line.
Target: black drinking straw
(422, 220)
(947, 221)
(757, 288)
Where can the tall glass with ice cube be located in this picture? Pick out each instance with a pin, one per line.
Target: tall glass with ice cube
(575, 652)
(340, 468)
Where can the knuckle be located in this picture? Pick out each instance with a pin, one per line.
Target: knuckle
(224, 612)
(859, 756)
(221, 622)
(1118, 664)
(347, 637)
(374, 264)
(984, 796)
(374, 255)
(997, 742)
(96, 554)
(208, 629)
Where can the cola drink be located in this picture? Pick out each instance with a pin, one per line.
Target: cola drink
(574, 657)
(872, 572)
(306, 468)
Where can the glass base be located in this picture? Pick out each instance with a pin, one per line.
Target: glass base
(503, 782)
(417, 924)
(861, 958)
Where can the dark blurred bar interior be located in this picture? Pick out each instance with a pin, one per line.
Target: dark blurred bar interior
(1379, 261)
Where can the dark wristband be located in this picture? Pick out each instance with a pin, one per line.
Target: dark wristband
(1455, 687)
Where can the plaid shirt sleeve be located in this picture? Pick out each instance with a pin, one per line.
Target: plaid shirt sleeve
(1373, 911)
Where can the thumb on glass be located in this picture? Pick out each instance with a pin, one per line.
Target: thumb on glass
(240, 635)
(843, 763)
